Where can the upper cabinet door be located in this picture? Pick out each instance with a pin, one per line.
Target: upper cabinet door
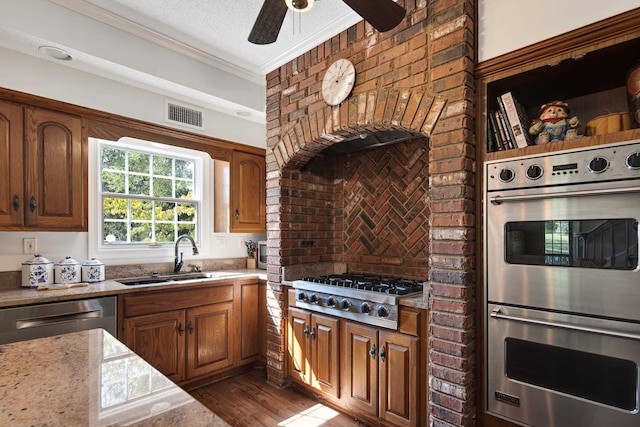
(248, 193)
(11, 155)
(55, 171)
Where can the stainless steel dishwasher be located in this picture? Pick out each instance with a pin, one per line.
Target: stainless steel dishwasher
(49, 319)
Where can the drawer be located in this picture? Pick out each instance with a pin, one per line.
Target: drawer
(156, 302)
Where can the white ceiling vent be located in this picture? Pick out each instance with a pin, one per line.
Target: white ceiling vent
(184, 115)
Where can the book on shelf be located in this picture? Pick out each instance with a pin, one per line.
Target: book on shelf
(516, 118)
(494, 133)
(504, 130)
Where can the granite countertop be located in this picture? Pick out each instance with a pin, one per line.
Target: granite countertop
(90, 378)
(16, 296)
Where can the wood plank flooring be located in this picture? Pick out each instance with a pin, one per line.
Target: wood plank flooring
(247, 400)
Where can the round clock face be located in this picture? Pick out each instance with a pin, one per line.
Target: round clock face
(338, 81)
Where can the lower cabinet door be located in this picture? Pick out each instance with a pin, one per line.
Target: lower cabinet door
(159, 339)
(325, 354)
(298, 345)
(359, 385)
(209, 338)
(398, 365)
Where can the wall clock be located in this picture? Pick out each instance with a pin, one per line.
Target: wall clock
(338, 81)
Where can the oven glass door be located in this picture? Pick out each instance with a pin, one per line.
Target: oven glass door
(575, 253)
(554, 369)
(603, 244)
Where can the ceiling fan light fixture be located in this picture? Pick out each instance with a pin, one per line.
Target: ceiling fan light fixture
(299, 5)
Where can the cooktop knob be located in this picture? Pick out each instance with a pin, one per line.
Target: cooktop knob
(301, 296)
(383, 311)
(331, 302)
(507, 175)
(598, 164)
(534, 172)
(365, 308)
(313, 298)
(345, 304)
(633, 161)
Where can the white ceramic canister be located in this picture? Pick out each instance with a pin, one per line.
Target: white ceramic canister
(37, 272)
(67, 271)
(92, 271)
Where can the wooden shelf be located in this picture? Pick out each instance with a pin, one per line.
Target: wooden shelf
(585, 141)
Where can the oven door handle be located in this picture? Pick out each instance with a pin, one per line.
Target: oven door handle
(496, 200)
(497, 314)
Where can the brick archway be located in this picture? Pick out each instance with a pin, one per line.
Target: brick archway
(380, 110)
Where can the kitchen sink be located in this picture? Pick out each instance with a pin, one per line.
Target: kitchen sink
(161, 279)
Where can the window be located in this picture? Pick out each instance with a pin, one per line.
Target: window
(147, 196)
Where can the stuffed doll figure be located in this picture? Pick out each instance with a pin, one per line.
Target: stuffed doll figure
(554, 123)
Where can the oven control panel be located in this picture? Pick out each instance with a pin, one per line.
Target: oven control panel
(584, 165)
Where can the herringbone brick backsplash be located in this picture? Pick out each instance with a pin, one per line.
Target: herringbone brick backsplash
(386, 209)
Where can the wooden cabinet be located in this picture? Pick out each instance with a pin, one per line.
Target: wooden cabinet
(253, 320)
(11, 156)
(380, 373)
(314, 348)
(43, 165)
(210, 339)
(185, 333)
(156, 339)
(587, 68)
(248, 193)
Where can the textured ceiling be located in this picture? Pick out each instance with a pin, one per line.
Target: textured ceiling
(219, 28)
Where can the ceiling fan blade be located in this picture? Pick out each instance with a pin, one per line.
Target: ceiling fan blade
(267, 26)
(382, 14)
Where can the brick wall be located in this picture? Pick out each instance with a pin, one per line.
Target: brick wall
(415, 77)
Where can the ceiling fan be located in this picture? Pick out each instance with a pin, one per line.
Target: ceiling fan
(383, 15)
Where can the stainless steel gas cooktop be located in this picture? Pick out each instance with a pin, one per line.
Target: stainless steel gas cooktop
(365, 298)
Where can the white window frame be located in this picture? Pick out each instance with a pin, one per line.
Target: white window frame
(141, 252)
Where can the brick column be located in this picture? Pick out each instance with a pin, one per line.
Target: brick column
(452, 223)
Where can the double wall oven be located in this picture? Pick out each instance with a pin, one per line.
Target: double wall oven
(562, 287)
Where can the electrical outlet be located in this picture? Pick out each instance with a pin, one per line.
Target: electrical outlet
(29, 245)
(241, 240)
(221, 241)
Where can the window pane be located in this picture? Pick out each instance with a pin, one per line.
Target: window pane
(114, 208)
(112, 182)
(141, 210)
(138, 162)
(114, 232)
(162, 187)
(139, 184)
(184, 189)
(113, 158)
(165, 211)
(165, 232)
(140, 232)
(189, 229)
(186, 212)
(162, 166)
(184, 169)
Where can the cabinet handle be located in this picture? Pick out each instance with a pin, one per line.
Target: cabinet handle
(190, 326)
(33, 204)
(16, 202)
(372, 352)
(383, 354)
(180, 329)
(306, 331)
(237, 214)
(313, 333)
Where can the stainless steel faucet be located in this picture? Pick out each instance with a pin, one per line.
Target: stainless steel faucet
(177, 263)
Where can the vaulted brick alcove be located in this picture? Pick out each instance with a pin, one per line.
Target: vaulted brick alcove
(406, 208)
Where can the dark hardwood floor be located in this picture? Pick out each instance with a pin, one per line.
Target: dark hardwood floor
(246, 400)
